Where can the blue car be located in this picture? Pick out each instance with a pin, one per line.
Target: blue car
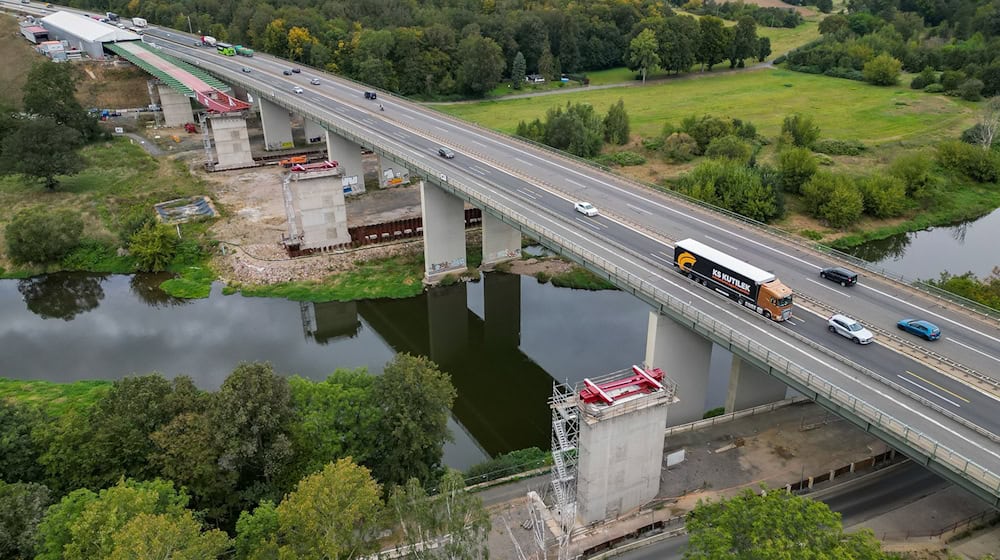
(920, 328)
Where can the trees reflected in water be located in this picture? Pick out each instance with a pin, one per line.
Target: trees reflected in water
(146, 288)
(62, 296)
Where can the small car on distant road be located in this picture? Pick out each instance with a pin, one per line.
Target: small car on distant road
(586, 208)
(446, 153)
(286, 72)
(296, 70)
(314, 81)
(849, 328)
(297, 89)
(246, 70)
(921, 328)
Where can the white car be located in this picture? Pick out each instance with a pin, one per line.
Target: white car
(586, 208)
(297, 89)
(849, 328)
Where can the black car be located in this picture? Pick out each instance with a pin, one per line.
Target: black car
(287, 72)
(446, 153)
(371, 95)
(296, 70)
(840, 275)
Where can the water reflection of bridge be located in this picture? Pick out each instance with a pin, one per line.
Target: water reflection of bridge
(502, 393)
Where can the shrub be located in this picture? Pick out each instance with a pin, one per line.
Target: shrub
(838, 147)
(706, 129)
(731, 148)
(153, 247)
(883, 70)
(652, 144)
(40, 237)
(971, 90)
(884, 196)
(680, 147)
(732, 186)
(845, 73)
(744, 129)
(914, 169)
(796, 166)
(951, 79)
(507, 464)
(974, 162)
(623, 159)
(833, 198)
(918, 82)
(800, 129)
(780, 59)
(934, 88)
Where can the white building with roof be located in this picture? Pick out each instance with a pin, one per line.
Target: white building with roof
(84, 33)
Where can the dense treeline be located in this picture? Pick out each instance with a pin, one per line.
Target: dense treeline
(221, 453)
(448, 47)
(953, 42)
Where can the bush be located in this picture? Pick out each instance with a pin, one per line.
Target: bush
(780, 59)
(706, 129)
(971, 90)
(883, 70)
(914, 169)
(652, 144)
(833, 199)
(838, 147)
(507, 464)
(845, 73)
(934, 88)
(796, 166)
(624, 159)
(731, 148)
(974, 162)
(884, 195)
(918, 82)
(680, 147)
(800, 129)
(40, 237)
(951, 79)
(732, 186)
(154, 247)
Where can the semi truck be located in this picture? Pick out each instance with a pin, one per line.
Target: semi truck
(740, 281)
(243, 51)
(208, 40)
(139, 22)
(225, 48)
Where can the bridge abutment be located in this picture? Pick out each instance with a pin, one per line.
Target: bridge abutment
(277, 125)
(176, 107)
(684, 356)
(232, 141)
(500, 241)
(749, 386)
(444, 232)
(347, 154)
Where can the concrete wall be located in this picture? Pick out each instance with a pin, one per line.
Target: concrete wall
(348, 155)
(391, 174)
(277, 125)
(444, 232)
(232, 142)
(319, 208)
(620, 460)
(176, 107)
(500, 241)
(314, 132)
(749, 386)
(684, 357)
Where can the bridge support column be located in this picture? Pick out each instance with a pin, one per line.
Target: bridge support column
(317, 213)
(500, 241)
(348, 156)
(391, 174)
(684, 357)
(749, 386)
(232, 142)
(502, 310)
(315, 133)
(444, 232)
(277, 125)
(176, 107)
(447, 323)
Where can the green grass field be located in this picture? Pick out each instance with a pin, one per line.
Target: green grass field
(842, 109)
(54, 398)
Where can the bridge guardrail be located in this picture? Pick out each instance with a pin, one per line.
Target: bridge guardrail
(948, 457)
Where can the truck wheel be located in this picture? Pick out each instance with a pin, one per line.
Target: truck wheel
(767, 314)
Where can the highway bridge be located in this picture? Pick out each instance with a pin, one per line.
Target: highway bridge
(937, 402)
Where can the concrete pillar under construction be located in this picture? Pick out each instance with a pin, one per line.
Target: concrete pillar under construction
(348, 155)
(684, 357)
(316, 210)
(749, 386)
(444, 232)
(176, 107)
(315, 133)
(277, 125)
(448, 323)
(502, 310)
(501, 242)
(620, 455)
(232, 142)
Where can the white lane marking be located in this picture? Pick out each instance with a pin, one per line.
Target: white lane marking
(919, 386)
(976, 350)
(658, 257)
(592, 225)
(825, 287)
(639, 210)
(478, 143)
(441, 129)
(477, 171)
(481, 170)
(941, 317)
(722, 243)
(367, 121)
(524, 162)
(528, 194)
(574, 182)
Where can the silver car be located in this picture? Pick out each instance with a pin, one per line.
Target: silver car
(849, 328)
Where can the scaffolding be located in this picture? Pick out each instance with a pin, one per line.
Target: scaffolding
(565, 438)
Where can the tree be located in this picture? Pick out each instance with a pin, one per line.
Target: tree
(796, 165)
(257, 532)
(453, 518)
(154, 247)
(39, 236)
(833, 199)
(517, 71)
(763, 48)
(22, 506)
(800, 129)
(54, 532)
(300, 43)
(714, 43)
(884, 195)
(482, 65)
(833, 24)
(547, 63)
(988, 125)
(18, 451)
(744, 43)
(642, 53)
(774, 524)
(914, 169)
(679, 38)
(177, 537)
(883, 70)
(276, 38)
(50, 91)
(415, 397)
(331, 514)
(42, 149)
(616, 125)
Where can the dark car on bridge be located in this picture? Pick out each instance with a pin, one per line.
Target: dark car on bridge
(840, 275)
(921, 328)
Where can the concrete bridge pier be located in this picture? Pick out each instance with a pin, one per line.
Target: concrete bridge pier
(176, 107)
(502, 310)
(316, 210)
(444, 232)
(391, 173)
(684, 357)
(749, 386)
(315, 133)
(277, 125)
(500, 241)
(232, 141)
(447, 323)
(348, 156)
